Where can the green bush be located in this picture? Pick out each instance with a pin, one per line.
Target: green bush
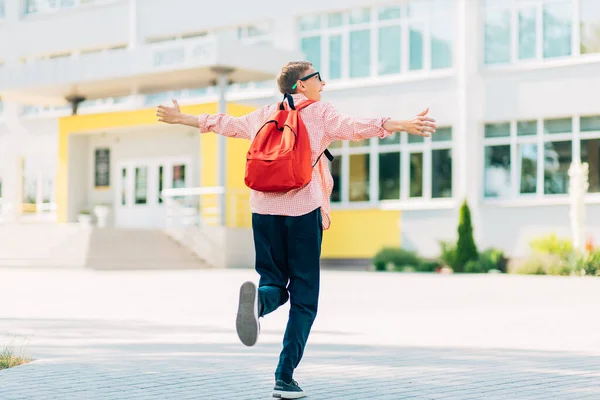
(588, 263)
(474, 267)
(448, 255)
(493, 259)
(544, 264)
(551, 244)
(396, 256)
(428, 266)
(466, 250)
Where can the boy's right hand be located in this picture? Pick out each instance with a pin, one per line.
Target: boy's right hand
(169, 115)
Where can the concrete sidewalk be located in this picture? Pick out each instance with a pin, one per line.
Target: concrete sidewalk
(169, 335)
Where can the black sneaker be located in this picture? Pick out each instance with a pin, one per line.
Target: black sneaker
(291, 390)
(247, 324)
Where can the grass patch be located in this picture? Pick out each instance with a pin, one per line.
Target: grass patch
(8, 359)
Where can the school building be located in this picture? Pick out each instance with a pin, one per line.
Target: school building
(513, 85)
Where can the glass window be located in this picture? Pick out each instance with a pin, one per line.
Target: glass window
(590, 153)
(441, 45)
(124, 186)
(389, 50)
(161, 181)
(359, 177)
(389, 176)
(359, 143)
(527, 33)
(526, 128)
(360, 53)
(443, 134)
(528, 168)
(360, 16)
(392, 12)
(416, 175)
(178, 180)
(416, 139)
(497, 130)
(335, 19)
(497, 171)
(415, 46)
(2, 12)
(336, 172)
(335, 57)
(557, 159)
(441, 173)
(310, 22)
(589, 22)
(67, 3)
(590, 124)
(497, 36)
(141, 185)
(394, 138)
(557, 29)
(311, 46)
(558, 125)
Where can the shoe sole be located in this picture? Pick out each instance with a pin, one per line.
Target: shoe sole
(288, 395)
(247, 316)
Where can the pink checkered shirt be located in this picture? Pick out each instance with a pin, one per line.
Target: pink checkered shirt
(324, 125)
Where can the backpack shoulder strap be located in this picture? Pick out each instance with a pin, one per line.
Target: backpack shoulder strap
(327, 154)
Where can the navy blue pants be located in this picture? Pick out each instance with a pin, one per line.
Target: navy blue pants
(288, 252)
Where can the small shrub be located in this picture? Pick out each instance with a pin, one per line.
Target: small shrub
(466, 250)
(589, 263)
(399, 257)
(493, 259)
(448, 256)
(428, 266)
(474, 267)
(543, 264)
(551, 244)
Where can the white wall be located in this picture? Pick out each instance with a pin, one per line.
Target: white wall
(546, 92)
(78, 176)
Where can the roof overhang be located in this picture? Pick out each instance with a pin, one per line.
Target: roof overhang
(146, 69)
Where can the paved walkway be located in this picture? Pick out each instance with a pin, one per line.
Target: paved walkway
(169, 335)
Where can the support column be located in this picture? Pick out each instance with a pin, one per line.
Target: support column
(12, 160)
(222, 83)
(133, 25)
(470, 96)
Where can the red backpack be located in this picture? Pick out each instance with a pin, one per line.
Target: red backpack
(279, 158)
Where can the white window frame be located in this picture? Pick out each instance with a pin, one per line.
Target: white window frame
(514, 6)
(374, 148)
(404, 22)
(539, 198)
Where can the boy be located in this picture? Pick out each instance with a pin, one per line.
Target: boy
(288, 226)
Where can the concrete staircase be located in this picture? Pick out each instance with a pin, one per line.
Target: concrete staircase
(75, 246)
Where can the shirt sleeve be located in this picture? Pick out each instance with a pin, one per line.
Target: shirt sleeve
(339, 126)
(236, 127)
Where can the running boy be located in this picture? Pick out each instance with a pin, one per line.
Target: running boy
(288, 226)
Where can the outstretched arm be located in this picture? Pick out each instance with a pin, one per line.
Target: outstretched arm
(173, 115)
(222, 124)
(343, 127)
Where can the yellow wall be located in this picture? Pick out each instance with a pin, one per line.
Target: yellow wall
(360, 233)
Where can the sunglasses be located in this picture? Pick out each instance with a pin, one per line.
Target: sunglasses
(307, 77)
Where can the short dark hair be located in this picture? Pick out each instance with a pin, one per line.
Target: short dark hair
(289, 75)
